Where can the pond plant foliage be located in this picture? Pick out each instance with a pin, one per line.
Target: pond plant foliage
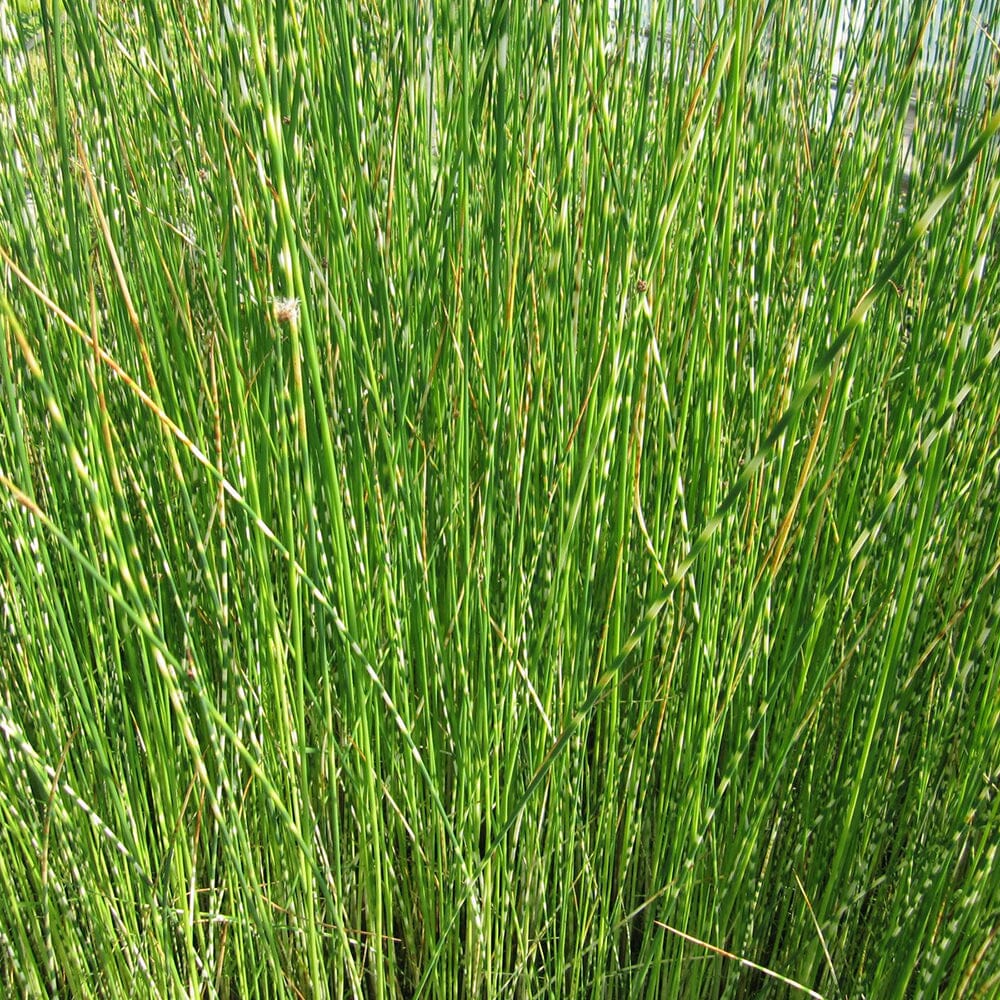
(497, 501)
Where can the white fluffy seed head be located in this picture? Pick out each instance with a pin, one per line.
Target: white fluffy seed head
(286, 310)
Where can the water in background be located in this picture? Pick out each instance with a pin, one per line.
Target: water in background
(845, 22)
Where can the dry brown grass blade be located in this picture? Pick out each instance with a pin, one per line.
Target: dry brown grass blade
(737, 958)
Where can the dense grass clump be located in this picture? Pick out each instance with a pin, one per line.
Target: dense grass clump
(497, 503)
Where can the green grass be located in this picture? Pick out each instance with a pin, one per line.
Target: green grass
(481, 515)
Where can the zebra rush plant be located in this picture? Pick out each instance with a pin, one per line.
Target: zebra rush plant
(498, 500)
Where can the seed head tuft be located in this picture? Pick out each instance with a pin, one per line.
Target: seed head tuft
(286, 310)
